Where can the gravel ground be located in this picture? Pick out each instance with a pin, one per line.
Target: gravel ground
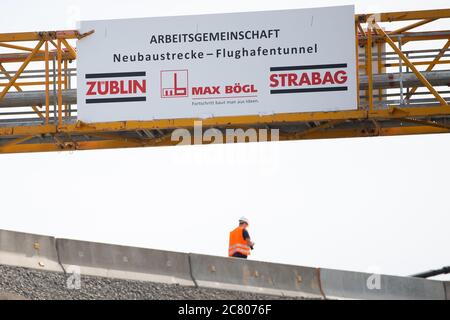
(16, 283)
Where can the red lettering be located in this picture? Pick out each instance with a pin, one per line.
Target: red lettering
(214, 90)
(328, 78)
(274, 80)
(122, 88)
(340, 77)
(91, 88)
(292, 79)
(283, 79)
(198, 91)
(316, 78)
(105, 90)
(114, 87)
(142, 87)
(304, 80)
(308, 79)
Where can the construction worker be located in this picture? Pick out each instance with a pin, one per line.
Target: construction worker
(240, 242)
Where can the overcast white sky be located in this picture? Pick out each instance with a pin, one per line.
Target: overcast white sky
(373, 204)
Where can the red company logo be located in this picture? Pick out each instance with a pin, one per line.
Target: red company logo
(308, 78)
(116, 87)
(174, 83)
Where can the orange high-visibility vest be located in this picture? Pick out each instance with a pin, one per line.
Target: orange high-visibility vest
(238, 243)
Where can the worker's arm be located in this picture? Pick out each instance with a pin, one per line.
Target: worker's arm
(250, 243)
(246, 236)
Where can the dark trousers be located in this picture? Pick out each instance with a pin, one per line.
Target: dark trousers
(239, 255)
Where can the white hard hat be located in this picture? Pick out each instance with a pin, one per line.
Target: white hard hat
(243, 219)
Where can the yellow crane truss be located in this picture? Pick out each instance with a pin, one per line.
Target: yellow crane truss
(382, 110)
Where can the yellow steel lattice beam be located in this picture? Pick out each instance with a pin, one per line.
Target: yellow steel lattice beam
(432, 64)
(404, 15)
(19, 89)
(371, 122)
(166, 141)
(412, 26)
(22, 67)
(47, 35)
(409, 64)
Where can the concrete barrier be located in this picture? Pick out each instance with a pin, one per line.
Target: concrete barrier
(96, 259)
(28, 251)
(447, 289)
(338, 284)
(255, 276)
(113, 261)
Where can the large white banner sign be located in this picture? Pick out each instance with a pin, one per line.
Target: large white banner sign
(257, 63)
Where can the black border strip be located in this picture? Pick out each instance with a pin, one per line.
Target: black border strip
(112, 100)
(116, 75)
(310, 67)
(305, 90)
